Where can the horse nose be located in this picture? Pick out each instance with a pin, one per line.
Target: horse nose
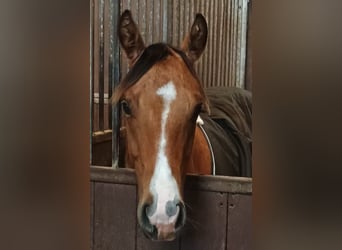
(171, 208)
(162, 224)
(176, 219)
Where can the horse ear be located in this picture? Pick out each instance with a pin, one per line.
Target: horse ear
(130, 38)
(194, 43)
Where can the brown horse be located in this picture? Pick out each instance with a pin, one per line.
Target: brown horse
(161, 99)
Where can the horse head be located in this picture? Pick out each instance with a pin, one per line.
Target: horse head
(160, 98)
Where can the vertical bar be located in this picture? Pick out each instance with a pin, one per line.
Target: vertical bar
(231, 41)
(110, 61)
(96, 60)
(234, 47)
(115, 82)
(157, 19)
(91, 76)
(206, 10)
(149, 23)
(165, 21)
(174, 22)
(141, 17)
(170, 17)
(216, 59)
(238, 43)
(220, 52)
(243, 51)
(107, 73)
(248, 67)
(101, 67)
(211, 41)
(228, 42)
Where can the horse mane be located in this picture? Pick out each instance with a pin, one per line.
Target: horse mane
(149, 57)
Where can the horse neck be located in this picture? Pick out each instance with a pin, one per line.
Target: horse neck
(200, 162)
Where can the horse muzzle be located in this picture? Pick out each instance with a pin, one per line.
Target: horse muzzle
(162, 225)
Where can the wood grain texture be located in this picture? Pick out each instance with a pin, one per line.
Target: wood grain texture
(92, 203)
(195, 182)
(239, 230)
(102, 152)
(216, 220)
(206, 224)
(115, 217)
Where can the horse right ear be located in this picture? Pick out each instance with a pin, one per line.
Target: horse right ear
(130, 38)
(194, 43)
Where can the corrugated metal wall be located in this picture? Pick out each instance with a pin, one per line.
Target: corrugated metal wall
(223, 62)
(104, 68)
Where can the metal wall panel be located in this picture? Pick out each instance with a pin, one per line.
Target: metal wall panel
(104, 67)
(223, 62)
(102, 62)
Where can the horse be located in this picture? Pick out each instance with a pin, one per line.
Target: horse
(163, 113)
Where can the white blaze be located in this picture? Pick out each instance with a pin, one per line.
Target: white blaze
(163, 185)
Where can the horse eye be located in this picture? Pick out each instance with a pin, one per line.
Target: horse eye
(197, 110)
(125, 107)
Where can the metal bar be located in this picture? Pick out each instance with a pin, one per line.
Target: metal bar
(248, 67)
(211, 41)
(110, 60)
(91, 75)
(115, 7)
(220, 51)
(227, 44)
(243, 51)
(234, 48)
(101, 66)
(149, 23)
(164, 21)
(231, 43)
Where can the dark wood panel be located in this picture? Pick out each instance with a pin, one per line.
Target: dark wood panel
(102, 152)
(92, 203)
(226, 184)
(239, 231)
(115, 226)
(102, 148)
(117, 176)
(195, 182)
(146, 244)
(115, 216)
(206, 224)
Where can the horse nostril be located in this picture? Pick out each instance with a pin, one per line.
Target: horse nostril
(150, 209)
(181, 216)
(144, 221)
(171, 208)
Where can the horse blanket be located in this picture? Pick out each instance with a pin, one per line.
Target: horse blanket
(229, 128)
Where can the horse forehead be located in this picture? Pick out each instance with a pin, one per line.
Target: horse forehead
(167, 91)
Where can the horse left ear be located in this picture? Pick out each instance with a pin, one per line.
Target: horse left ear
(130, 38)
(194, 43)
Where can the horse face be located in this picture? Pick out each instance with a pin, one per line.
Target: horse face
(159, 114)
